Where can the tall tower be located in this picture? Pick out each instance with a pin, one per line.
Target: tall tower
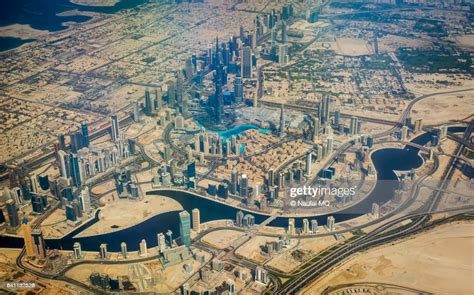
(123, 249)
(115, 128)
(282, 121)
(246, 62)
(354, 125)
(324, 108)
(77, 250)
(12, 211)
(259, 83)
(26, 229)
(38, 243)
(244, 190)
(196, 220)
(284, 32)
(308, 164)
(85, 134)
(238, 90)
(185, 228)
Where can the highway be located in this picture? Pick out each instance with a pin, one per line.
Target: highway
(375, 237)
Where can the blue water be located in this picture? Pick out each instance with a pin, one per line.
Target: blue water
(42, 15)
(385, 160)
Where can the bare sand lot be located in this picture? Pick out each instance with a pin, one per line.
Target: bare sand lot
(352, 47)
(465, 41)
(222, 239)
(442, 108)
(439, 261)
(21, 31)
(126, 213)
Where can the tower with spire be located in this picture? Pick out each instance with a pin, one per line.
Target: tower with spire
(282, 121)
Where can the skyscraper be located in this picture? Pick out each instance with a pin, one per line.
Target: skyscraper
(283, 58)
(39, 245)
(115, 128)
(260, 79)
(185, 228)
(26, 229)
(354, 128)
(149, 103)
(324, 109)
(63, 159)
(244, 190)
(143, 248)
(13, 220)
(77, 250)
(123, 249)
(331, 223)
(284, 32)
(238, 90)
(85, 134)
(85, 200)
(196, 220)
(103, 253)
(281, 130)
(233, 182)
(246, 62)
(75, 170)
(308, 164)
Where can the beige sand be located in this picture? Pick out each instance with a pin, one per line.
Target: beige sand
(439, 261)
(126, 213)
(222, 239)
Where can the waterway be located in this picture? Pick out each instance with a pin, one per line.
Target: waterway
(386, 161)
(42, 15)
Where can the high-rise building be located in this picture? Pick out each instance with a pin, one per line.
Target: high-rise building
(260, 79)
(283, 57)
(63, 159)
(75, 170)
(308, 164)
(161, 241)
(85, 134)
(136, 111)
(271, 178)
(233, 182)
(149, 103)
(281, 129)
(39, 244)
(291, 226)
(305, 226)
(246, 62)
(26, 229)
(115, 128)
(443, 132)
(375, 210)
(239, 217)
(12, 211)
(244, 190)
(314, 226)
(331, 222)
(238, 90)
(404, 133)
(169, 235)
(185, 228)
(354, 128)
(143, 248)
(337, 119)
(85, 199)
(77, 250)
(284, 32)
(330, 145)
(196, 220)
(261, 275)
(103, 253)
(418, 125)
(316, 127)
(123, 250)
(324, 109)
